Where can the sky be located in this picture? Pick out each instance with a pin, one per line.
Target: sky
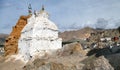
(66, 14)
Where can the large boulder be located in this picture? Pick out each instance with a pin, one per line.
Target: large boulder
(94, 63)
(73, 48)
(114, 60)
(41, 64)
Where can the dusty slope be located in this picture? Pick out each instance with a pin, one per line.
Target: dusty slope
(77, 34)
(73, 59)
(10, 65)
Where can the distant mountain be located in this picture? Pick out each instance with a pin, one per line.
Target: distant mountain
(2, 38)
(76, 34)
(86, 33)
(3, 35)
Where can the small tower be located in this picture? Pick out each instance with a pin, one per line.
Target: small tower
(30, 9)
(43, 8)
(44, 13)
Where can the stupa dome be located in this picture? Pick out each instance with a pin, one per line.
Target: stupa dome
(40, 35)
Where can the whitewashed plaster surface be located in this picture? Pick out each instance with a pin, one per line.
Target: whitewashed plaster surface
(39, 36)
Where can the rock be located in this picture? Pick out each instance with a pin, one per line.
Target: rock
(17, 65)
(73, 48)
(57, 66)
(2, 59)
(100, 52)
(11, 44)
(69, 62)
(39, 64)
(114, 60)
(34, 65)
(93, 63)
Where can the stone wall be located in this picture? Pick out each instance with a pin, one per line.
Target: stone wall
(11, 44)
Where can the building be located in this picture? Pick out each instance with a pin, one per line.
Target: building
(38, 37)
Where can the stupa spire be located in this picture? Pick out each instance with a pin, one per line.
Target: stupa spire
(29, 9)
(43, 8)
(43, 12)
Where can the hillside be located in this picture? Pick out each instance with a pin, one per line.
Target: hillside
(86, 33)
(2, 38)
(76, 34)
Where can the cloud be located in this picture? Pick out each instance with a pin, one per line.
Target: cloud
(101, 23)
(67, 14)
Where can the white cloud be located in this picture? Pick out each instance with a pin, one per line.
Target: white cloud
(66, 12)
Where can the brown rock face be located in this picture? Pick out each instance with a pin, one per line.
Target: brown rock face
(93, 63)
(73, 48)
(11, 44)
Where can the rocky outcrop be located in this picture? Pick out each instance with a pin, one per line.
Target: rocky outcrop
(114, 60)
(51, 66)
(70, 59)
(73, 48)
(39, 64)
(11, 44)
(93, 63)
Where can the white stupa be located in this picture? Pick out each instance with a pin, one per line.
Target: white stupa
(40, 35)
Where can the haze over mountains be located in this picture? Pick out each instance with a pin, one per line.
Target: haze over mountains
(101, 23)
(65, 13)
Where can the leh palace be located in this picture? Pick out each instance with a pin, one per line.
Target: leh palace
(33, 36)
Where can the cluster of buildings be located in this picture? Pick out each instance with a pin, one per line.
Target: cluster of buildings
(104, 38)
